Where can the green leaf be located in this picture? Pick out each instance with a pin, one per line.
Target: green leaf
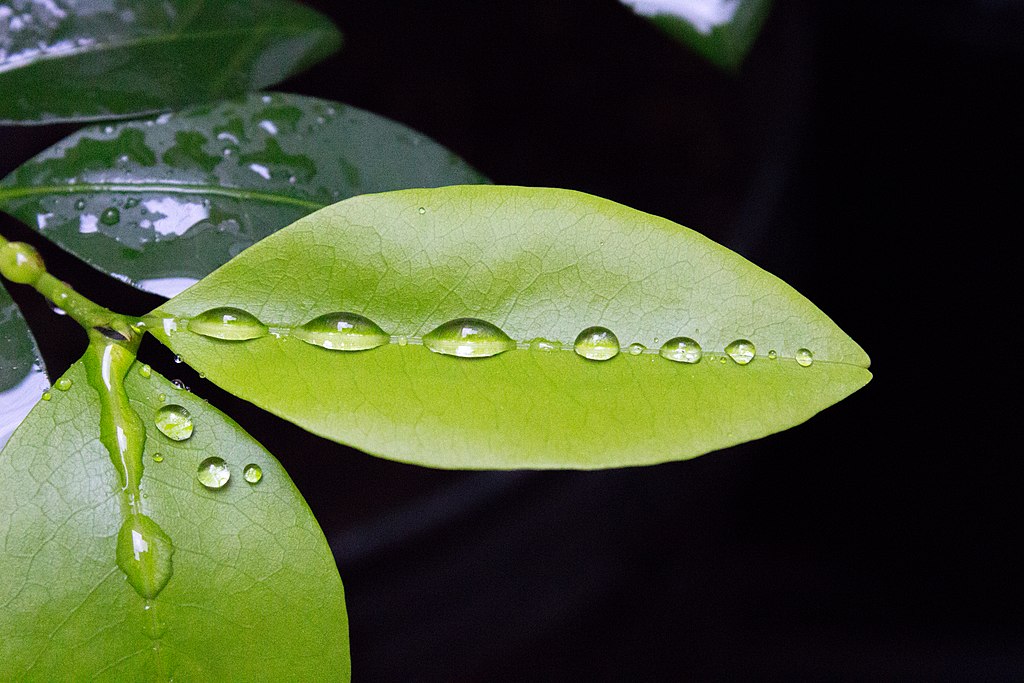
(254, 593)
(192, 189)
(62, 60)
(537, 263)
(22, 380)
(722, 31)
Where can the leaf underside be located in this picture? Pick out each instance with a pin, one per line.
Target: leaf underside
(254, 594)
(537, 263)
(161, 203)
(77, 61)
(22, 379)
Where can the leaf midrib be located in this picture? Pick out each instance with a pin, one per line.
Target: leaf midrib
(163, 188)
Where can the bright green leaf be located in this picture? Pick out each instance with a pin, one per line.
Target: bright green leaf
(254, 594)
(536, 263)
(162, 203)
(77, 61)
(722, 31)
(22, 379)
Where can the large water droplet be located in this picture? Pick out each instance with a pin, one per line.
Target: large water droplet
(213, 473)
(229, 323)
(681, 350)
(597, 343)
(804, 357)
(174, 422)
(342, 332)
(742, 351)
(64, 383)
(144, 555)
(468, 338)
(110, 216)
(252, 473)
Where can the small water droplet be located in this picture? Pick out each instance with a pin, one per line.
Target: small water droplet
(342, 332)
(804, 357)
(422, 210)
(144, 555)
(681, 350)
(227, 323)
(252, 473)
(541, 344)
(162, 397)
(174, 422)
(64, 383)
(146, 371)
(178, 360)
(468, 338)
(597, 343)
(80, 204)
(773, 354)
(110, 216)
(157, 457)
(131, 203)
(47, 396)
(742, 351)
(722, 360)
(403, 340)
(108, 129)
(213, 473)
(635, 349)
(179, 385)
(56, 309)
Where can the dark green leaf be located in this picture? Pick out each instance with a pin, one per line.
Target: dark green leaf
(722, 31)
(192, 189)
(254, 594)
(22, 379)
(536, 263)
(62, 60)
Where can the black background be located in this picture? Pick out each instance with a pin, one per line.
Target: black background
(860, 154)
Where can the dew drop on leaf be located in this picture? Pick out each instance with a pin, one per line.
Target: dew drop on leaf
(80, 204)
(213, 473)
(635, 349)
(773, 354)
(681, 350)
(46, 396)
(174, 422)
(146, 371)
(804, 357)
(252, 473)
(110, 216)
(64, 383)
(597, 343)
(742, 351)
(158, 457)
(228, 323)
(468, 338)
(541, 344)
(342, 332)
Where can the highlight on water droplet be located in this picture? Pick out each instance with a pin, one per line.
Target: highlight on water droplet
(681, 350)
(213, 473)
(597, 343)
(742, 351)
(541, 344)
(64, 383)
(468, 338)
(146, 371)
(635, 349)
(178, 360)
(342, 332)
(174, 422)
(110, 216)
(144, 555)
(422, 210)
(252, 473)
(158, 457)
(804, 357)
(225, 322)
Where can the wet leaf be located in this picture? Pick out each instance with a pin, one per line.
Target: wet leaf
(535, 263)
(722, 31)
(254, 593)
(62, 60)
(22, 379)
(161, 203)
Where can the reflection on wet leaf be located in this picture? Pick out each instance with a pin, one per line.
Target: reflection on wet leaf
(22, 380)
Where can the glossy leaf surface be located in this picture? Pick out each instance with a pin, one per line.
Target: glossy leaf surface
(722, 31)
(163, 202)
(536, 263)
(22, 379)
(254, 593)
(68, 60)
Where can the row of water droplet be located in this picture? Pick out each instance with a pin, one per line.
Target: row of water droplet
(462, 337)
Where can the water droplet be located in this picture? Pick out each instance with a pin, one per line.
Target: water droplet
(80, 204)
(681, 350)
(47, 396)
(146, 371)
(144, 555)
(804, 357)
(64, 383)
(742, 351)
(773, 354)
(108, 129)
(722, 360)
(635, 349)
(162, 397)
(110, 216)
(252, 473)
(178, 360)
(541, 344)
(597, 343)
(174, 422)
(422, 210)
(468, 338)
(157, 457)
(179, 385)
(342, 332)
(403, 340)
(228, 323)
(131, 203)
(213, 473)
